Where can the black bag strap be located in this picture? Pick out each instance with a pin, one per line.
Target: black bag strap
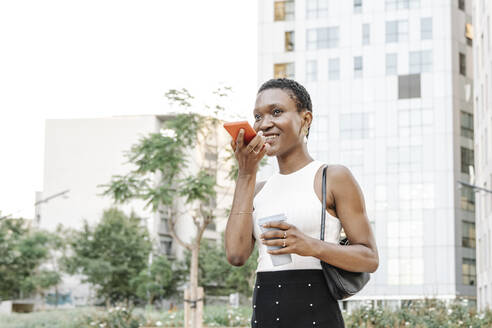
(323, 202)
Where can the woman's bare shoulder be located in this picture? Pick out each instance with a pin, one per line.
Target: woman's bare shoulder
(334, 173)
(338, 172)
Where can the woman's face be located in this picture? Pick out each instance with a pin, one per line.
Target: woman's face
(277, 116)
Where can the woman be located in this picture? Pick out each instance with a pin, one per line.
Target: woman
(294, 294)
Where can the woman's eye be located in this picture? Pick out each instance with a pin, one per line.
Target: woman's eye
(277, 112)
(257, 117)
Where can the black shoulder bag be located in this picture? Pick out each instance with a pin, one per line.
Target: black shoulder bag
(342, 284)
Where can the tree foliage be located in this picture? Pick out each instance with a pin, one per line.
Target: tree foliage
(23, 252)
(111, 254)
(219, 277)
(158, 282)
(162, 156)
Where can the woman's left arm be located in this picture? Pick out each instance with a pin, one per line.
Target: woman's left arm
(362, 253)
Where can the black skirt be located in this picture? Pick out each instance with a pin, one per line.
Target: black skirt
(294, 299)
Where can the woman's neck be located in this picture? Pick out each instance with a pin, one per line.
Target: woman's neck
(294, 160)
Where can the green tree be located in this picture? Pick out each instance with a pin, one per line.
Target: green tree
(24, 252)
(158, 282)
(162, 175)
(219, 277)
(111, 254)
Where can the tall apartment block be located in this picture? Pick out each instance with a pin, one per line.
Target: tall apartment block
(392, 89)
(482, 12)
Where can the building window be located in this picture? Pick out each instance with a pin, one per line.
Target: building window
(467, 156)
(467, 198)
(391, 64)
(426, 28)
(405, 159)
(356, 125)
(283, 70)
(322, 38)
(316, 9)
(420, 61)
(166, 245)
(409, 86)
(415, 122)
(396, 31)
(468, 234)
(212, 226)
(289, 41)
(357, 6)
(334, 69)
(311, 70)
(283, 10)
(469, 34)
(405, 258)
(467, 125)
(401, 4)
(462, 64)
(358, 67)
(366, 34)
(469, 272)
(461, 4)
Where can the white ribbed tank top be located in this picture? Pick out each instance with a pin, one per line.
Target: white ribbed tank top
(293, 194)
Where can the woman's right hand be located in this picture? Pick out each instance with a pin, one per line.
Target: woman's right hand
(249, 155)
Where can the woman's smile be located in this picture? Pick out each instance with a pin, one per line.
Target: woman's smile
(271, 138)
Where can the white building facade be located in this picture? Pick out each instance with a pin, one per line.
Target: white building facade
(482, 12)
(391, 85)
(82, 154)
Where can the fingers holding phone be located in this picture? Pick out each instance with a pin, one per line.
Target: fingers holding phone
(254, 146)
(249, 147)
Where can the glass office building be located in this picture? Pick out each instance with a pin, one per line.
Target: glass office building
(391, 84)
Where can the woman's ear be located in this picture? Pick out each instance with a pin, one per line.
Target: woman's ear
(307, 118)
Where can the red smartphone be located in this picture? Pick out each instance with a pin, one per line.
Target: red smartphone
(234, 127)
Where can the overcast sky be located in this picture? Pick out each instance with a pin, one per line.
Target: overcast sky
(73, 59)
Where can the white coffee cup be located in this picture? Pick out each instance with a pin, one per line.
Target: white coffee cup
(276, 259)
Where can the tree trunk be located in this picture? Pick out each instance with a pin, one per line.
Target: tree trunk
(195, 320)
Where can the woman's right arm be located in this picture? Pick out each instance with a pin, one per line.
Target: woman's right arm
(239, 240)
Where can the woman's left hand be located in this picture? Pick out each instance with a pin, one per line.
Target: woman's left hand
(291, 239)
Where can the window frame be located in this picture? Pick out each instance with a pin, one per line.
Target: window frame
(462, 63)
(332, 71)
(358, 66)
(366, 34)
(411, 91)
(289, 41)
(467, 158)
(395, 66)
(311, 74)
(357, 6)
(426, 28)
(469, 271)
